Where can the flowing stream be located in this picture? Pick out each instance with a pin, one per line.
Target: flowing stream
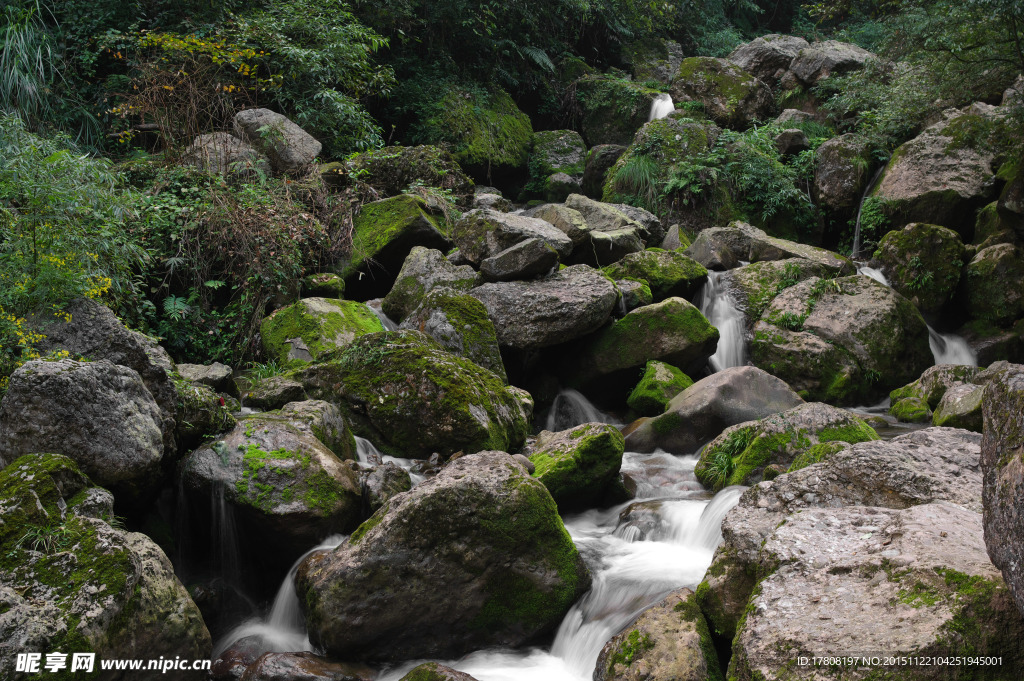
(571, 409)
(718, 303)
(661, 106)
(947, 348)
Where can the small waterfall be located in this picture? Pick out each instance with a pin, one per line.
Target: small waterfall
(370, 457)
(283, 631)
(571, 408)
(367, 453)
(948, 348)
(719, 305)
(374, 306)
(860, 207)
(661, 106)
(224, 536)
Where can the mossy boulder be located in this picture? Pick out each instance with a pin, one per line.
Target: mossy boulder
(392, 170)
(424, 270)
(482, 234)
(483, 127)
(768, 56)
(960, 407)
(669, 641)
(756, 285)
(613, 108)
(667, 273)
(923, 262)
(280, 479)
(383, 234)
(412, 398)
(473, 557)
(934, 382)
(991, 284)
(273, 392)
(460, 324)
(723, 247)
(842, 341)
(557, 151)
(600, 159)
(741, 453)
(841, 172)
(71, 582)
(201, 414)
(659, 384)
(911, 410)
(315, 328)
(323, 285)
(730, 96)
(672, 331)
(578, 465)
(435, 671)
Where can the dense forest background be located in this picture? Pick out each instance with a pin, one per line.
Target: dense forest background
(100, 96)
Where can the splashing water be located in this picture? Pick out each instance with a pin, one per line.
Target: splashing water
(661, 107)
(374, 306)
(873, 273)
(283, 630)
(369, 456)
(570, 409)
(719, 305)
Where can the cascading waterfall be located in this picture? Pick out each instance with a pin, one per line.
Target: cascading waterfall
(369, 456)
(571, 408)
(947, 348)
(632, 569)
(661, 107)
(224, 536)
(389, 325)
(860, 207)
(718, 304)
(283, 630)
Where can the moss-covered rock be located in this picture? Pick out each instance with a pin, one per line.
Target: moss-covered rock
(842, 341)
(424, 270)
(476, 556)
(613, 109)
(273, 392)
(323, 285)
(659, 384)
(911, 410)
(668, 641)
(667, 273)
(923, 262)
(934, 382)
(992, 284)
(578, 465)
(434, 671)
(817, 454)
(730, 96)
(71, 582)
(557, 151)
(405, 393)
(459, 322)
(482, 234)
(672, 331)
(315, 328)
(392, 170)
(740, 454)
(600, 159)
(841, 172)
(960, 407)
(201, 414)
(282, 481)
(383, 234)
(757, 284)
(483, 128)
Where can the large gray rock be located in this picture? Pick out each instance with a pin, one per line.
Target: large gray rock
(872, 581)
(821, 60)
(95, 333)
(923, 262)
(73, 583)
(579, 465)
(289, 147)
(481, 234)
(843, 341)
(281, 480)
(841, 172)
(223, 153)
(600, 159)
(991, 284)
(424, 270)
(769, 56)
(460, 324)
(710, 405)
(939, 178)
(756, 285)
(314, 328)
(216, 375)
(557, 151)
(384, 482)
(98, 414)
(499, 570)
(668, 641)
(559, 308)
(961, 407)
(613, 233)
(649, 221)
(724, 247)
(1002, 463)
(918, 468)
(567, 220)
(524, 260)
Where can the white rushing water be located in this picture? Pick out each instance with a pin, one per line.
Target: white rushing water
(661, 106)
(718, 304)
(637, 552)
(571, 408)
(860, 207)
(283, 630)
(947, 348)
(374, 306)
(369, 456)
